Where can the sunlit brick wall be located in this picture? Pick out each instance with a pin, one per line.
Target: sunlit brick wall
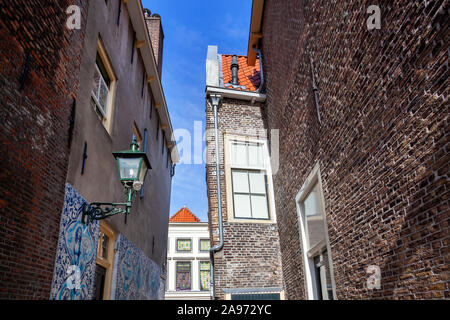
(251, 254)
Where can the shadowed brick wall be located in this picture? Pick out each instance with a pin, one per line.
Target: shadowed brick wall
(34, 138)
(251, 256)
(382, 144)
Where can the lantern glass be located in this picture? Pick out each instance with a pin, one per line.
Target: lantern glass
(143, 171)
(129, 168)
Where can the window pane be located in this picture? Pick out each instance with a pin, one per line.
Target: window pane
(205, 245)
(312, 206)
(239, 154)
(103, 95)
(242, 206)
(204, 265)
(183, 275)
(255, 155)
(240, 181)
(257, 182)
(326, 278)
(204, 275)
(184, 245)
(96, 83)
(183, 266)
(102, 70)
(129, 168)
(259, 207)
(314, 217)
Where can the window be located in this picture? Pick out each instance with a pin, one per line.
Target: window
(204, 275)
(103, 88)
(183, 275)
(205, 245)
(249, 185)
(102, 84)
(105, 261)
(247, 154)
(248, 180)
(184, 245)
(317, 263)
(249, 194)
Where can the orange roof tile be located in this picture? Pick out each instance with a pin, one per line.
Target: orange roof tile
(248, 76)
(184, 215)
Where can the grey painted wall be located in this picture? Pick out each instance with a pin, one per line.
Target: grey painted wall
(149, 217)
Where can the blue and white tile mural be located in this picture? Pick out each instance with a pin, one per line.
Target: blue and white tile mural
(135, 276)
(74, 275)
(138, 277)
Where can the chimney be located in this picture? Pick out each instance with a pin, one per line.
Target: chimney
(155, 30)
(234, 71)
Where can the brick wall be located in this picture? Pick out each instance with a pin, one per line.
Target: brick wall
(34, 135)
(382, 144)
(250, 257)
(155, 30)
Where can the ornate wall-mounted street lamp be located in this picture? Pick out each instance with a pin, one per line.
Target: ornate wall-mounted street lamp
(132, 167)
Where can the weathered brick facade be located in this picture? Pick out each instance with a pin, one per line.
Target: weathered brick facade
(382, 144)
(155, 29)
(36, 101)
(250, 257)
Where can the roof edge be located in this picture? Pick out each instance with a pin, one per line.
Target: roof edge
(136, 13)
(255, 30)
(236, 94)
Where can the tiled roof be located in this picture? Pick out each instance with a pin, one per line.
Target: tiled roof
(247, 76)
(184, 215)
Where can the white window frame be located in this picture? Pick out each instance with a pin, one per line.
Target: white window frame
(308, 255)
(228, 140)
(108, 113)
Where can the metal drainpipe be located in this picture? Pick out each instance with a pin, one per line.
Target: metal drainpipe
(261, 69)
(215, 99)
(314, 88)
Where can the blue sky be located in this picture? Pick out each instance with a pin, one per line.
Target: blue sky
(189, 27)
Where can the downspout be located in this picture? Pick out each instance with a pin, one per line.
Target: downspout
(261, 69)
(314, 88)
(215, 99)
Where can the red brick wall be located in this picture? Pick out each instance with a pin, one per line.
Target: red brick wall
(34, 133)
(250, 257)
(382, 144)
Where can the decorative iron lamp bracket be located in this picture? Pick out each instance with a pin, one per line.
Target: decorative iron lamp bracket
(103, 210)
